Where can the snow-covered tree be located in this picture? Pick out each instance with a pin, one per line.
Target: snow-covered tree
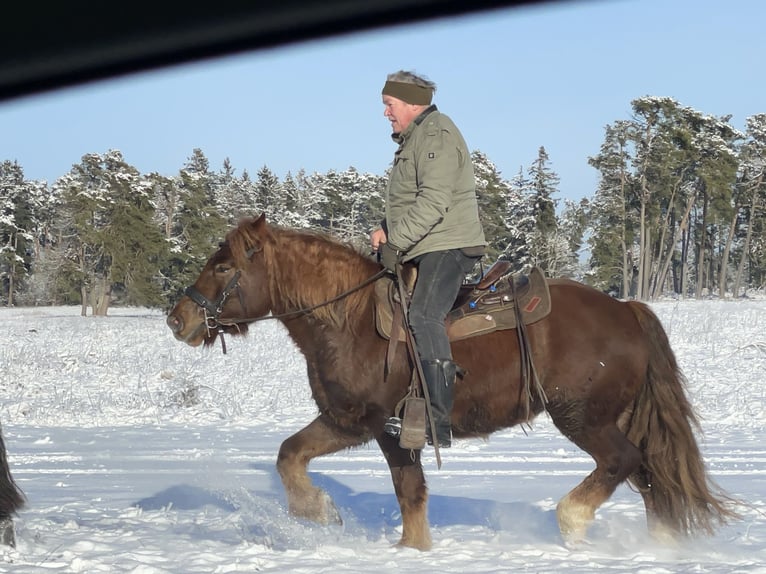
(613, 222)
(492, 195)
(17, 230)
(751, 186)
(268, 194)
(546, 245)
(108, 233)
(197, 227)
(235, 196)
(519, 222)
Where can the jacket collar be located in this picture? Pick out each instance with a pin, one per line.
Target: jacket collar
(400, 137)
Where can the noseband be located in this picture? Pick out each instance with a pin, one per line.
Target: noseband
(213, 309)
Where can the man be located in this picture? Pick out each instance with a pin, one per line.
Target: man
(432, 220)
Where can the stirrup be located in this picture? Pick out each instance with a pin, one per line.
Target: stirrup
(393, 426)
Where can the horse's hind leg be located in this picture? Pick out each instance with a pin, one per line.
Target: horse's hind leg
(303, 498)
(660, 531)
(411, 493)
(616, 459)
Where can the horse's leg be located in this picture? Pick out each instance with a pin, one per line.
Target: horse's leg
(7, 534)
(657, 528)
(616, 459)
(303, 498)
(411, 492)
(11, 498)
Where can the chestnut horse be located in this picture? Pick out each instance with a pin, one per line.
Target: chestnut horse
(610, 379)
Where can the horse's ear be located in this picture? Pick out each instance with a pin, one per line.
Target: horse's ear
(257, 226)
(253, 233)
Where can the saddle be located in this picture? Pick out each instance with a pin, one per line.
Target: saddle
(480, 308)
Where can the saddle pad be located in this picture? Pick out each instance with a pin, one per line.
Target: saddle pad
(484, 311)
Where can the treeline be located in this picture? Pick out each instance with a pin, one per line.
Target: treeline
(678, 209)
(105, 233)
(680, 204)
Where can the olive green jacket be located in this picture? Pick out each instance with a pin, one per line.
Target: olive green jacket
(431, 195)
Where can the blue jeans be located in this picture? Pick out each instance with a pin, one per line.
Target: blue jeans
(440, 275)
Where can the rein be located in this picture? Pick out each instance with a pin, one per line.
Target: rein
(307, 310)
(213, 320)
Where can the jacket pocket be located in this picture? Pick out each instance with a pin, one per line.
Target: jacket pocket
(403, 173)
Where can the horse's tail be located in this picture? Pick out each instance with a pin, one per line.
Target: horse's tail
(673, 480)
(11, 497)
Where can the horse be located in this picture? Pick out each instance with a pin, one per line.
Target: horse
(12, 498)
(611, 383)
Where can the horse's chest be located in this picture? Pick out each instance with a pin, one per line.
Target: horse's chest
(344, 405)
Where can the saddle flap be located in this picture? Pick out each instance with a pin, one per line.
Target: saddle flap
(384, 307)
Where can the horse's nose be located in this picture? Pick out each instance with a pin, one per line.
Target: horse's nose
(175, 323)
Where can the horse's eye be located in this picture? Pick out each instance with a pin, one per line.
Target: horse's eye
(221, 268)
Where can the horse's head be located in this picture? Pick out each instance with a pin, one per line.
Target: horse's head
(231, 291)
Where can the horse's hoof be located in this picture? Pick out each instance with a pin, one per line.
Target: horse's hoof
(319, 508)
(332, 515)
(663, 535)
(422, 545)
(574, 519)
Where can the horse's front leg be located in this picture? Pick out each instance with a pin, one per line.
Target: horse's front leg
(411, 492)
(303, 498)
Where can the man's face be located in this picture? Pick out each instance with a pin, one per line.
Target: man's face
(399, 113)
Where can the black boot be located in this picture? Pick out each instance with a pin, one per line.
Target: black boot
(440, 378)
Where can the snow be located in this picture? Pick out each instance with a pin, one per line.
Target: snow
(141, 455)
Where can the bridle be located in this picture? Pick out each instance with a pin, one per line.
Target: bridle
(213, 309)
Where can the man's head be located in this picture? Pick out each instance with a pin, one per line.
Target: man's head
(405, 96)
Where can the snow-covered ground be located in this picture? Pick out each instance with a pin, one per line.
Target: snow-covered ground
(141, 455)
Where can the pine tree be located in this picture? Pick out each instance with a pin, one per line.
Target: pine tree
(40, 287)
(613, 224)
(197, 228)
(268, 194)
(362, 195)
(751, 186)
(519, 223)
(17, 227)
(135, 244)
(235, 196)
(109, 234)
(492, 195)
(301, 206)
(571, 228)
(546, 247)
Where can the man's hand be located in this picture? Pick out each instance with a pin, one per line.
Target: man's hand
(377, 238)
(390, 256)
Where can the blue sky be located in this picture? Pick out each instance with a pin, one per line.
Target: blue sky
(513, 80)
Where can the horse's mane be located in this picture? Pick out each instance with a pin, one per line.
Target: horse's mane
(306, 268)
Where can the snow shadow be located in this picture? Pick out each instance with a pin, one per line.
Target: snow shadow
(373, 511)
(262, 515)
(184, 497)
